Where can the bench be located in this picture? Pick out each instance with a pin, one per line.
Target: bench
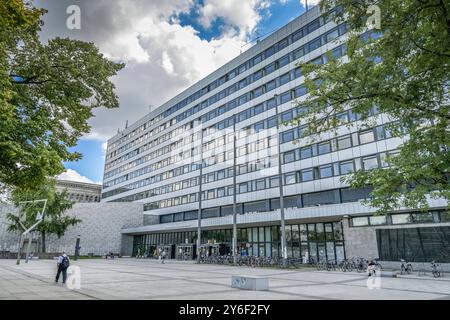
(250, 283)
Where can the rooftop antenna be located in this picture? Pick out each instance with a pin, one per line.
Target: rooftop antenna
(150, 107)
(306, 5)
(126, 124)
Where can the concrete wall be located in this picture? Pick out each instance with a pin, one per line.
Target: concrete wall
(360, 241)
(99, 231)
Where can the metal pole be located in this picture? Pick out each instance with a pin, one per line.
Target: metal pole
(21, 240)
(280, 177)
(199, 227)
(77, 248)
(234, 198)
(28, 247)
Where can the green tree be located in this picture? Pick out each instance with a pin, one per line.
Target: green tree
(405, 74)
(47, 94)
(55, 221)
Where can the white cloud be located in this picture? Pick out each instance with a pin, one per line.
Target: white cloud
(162, 57)
(311, 3)
(240, 13)
(73, 175)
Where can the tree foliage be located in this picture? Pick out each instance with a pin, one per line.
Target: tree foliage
(56, 221)
(47, 94)
(404, 73)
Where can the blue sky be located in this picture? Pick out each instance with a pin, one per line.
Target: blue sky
(133, 99)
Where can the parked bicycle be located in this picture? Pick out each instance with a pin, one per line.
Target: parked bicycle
(405, 267)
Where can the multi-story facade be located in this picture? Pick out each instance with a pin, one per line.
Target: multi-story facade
(156, 160)
(80, 191)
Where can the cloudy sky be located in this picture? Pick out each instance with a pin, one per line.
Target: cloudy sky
(167, 46)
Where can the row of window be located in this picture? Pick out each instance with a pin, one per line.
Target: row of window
(401, 218)
(375, 134)
(334, 196)
(214, 159)
(298, 53)
(344, 117)
(244, 115)
(312, 241)
(295, 36)
(304, 175)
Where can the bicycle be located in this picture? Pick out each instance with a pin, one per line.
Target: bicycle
(405, 267)
(435, 269)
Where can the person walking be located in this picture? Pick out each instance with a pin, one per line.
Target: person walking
(62, 264)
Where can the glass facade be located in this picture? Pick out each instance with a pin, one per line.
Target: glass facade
(415, 244)
(308, 242)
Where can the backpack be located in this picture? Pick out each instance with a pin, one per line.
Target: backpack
(65, 263)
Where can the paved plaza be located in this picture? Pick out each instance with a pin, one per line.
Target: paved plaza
(149, 279)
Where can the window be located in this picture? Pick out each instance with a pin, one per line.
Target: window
(243, 116)
(377, 220)
(317, 61)
(283, 61)
(257, 59)
(306, 152)
(243, 187)
(271, 85)
(289, 178)
(300, 91)
(313, 45)
(270, 68)
(287, 136)
(285, 97)
(260, 184)
(401, 218)
(344, 142)
(259, 126)
(243, 99)
(307, 175)
(346, 167)
(289, 156)
(283, 44)
(272, 122)
(360, 221)
(297, 35)
(221, 192)
(332, 35)
(285, 78)
(272, 103)
(299, 53)
(274, 182)
(210, 194)
(326, 171)
(258, 91)
(258, 109)
(366, 136)
(258, 75)
(370, 162)
(269, 52)
(324, 147)
(313, 26)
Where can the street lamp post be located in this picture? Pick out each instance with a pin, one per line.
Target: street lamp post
(280, 186)
(77, 248)
(199, 226)
(234, 197)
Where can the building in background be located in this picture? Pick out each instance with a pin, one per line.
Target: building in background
(156, 161)
(80, 191)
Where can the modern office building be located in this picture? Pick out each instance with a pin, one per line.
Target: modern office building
(80, 192)
(156, 161)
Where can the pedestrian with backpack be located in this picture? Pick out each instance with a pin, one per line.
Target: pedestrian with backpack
(62, 264)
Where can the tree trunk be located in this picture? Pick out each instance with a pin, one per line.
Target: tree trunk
(43, 242)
